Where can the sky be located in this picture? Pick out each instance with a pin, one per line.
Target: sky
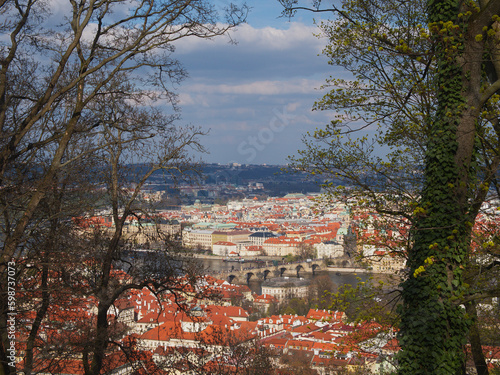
(255, 97)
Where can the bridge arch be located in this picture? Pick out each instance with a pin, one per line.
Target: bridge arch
(231, 278)
(298, 268)
(266, 273)
(314, 267)
(282, 270)
(248, 276)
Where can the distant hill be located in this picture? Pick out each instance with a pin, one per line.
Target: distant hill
(274, 179)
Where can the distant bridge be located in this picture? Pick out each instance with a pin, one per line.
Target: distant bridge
(266, 272)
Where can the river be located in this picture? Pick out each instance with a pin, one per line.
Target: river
(217, 265)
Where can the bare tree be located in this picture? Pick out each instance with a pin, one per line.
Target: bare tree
(76, 92)
(77, 270)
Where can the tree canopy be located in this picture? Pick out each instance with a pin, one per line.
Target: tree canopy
(80, 88)
(424, 89)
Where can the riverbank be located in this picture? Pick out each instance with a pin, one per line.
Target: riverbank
(262, 258)
(217, 267)
(348, 270)
(351, 270)
(219, 257)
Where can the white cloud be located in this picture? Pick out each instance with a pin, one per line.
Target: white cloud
(267, 38)
(185, 99)
(292, 107)
(238, 90)
(298, 86)
(276, 39)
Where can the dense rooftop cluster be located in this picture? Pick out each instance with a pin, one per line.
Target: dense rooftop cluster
(199, 325)
(196, 329)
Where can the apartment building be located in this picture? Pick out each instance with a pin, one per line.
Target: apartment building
(281, 246)
(194, 238)
(285, 288)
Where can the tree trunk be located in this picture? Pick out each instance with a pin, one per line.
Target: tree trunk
(475, 342)
(434, 327)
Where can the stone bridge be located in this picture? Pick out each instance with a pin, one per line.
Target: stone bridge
(268, 272)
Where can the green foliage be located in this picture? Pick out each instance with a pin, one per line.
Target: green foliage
(290, 258)
(295, 306)
(319, 292)
(424, 88)
(365, 301)
(430, 295)
(388, 100)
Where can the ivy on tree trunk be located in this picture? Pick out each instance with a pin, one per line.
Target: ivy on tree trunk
(426, 82)
(434, 326)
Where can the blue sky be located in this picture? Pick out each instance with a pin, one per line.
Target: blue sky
(255, 97)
